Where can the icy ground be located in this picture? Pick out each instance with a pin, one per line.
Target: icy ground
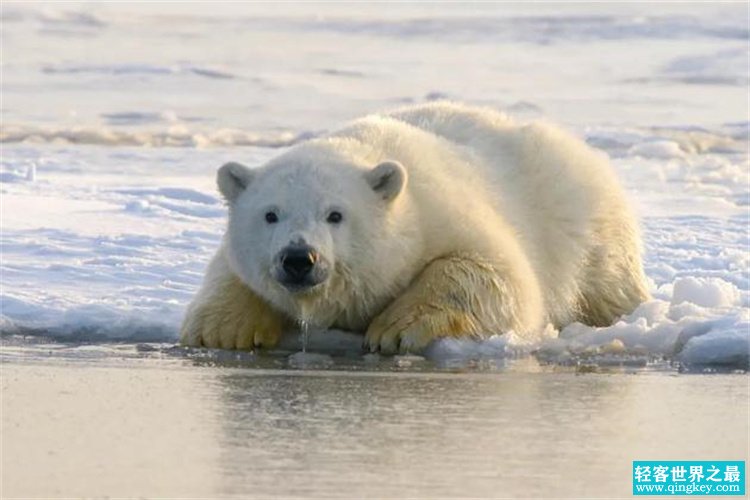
(109, 211)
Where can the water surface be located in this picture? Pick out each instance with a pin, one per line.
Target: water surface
(120, 421)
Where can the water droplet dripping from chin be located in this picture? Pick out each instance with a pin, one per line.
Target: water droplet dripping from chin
(305, 333)
(305, 326)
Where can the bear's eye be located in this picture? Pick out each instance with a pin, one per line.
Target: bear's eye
(334, 217)
(272, 218)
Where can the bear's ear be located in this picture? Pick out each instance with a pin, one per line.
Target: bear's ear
(232, 178)
(388, 179)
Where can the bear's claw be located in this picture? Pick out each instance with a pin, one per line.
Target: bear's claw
(233, 317)
(391, 333)
(204, 329)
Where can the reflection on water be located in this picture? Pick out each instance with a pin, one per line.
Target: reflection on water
(335, 434)
(166, 427)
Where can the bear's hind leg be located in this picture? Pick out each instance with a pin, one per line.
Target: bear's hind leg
(614, 283)
(456, 296)
(610, 293)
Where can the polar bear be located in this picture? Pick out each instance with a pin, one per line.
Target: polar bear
(428, 221)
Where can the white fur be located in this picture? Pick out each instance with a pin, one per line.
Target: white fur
(535, 205)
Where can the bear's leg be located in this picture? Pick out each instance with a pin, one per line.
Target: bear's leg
(613, 285)
(456, 296)
(228, 315)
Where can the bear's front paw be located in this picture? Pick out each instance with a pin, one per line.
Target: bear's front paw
(220, 329)
(409, 331)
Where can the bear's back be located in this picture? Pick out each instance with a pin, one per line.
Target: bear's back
(455, 122)
(549, 185)
(540, 178)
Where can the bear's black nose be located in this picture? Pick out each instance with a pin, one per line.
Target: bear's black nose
(298, 262)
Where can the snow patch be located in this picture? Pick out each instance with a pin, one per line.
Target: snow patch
(724, 67)
(137, 69)
(657, 149)
(705, 292)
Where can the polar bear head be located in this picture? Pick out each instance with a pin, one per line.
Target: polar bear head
(314, 232)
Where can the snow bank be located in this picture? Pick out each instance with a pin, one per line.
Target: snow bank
(727, 346)
(700, 328)
(179, 135)
(695, 336)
